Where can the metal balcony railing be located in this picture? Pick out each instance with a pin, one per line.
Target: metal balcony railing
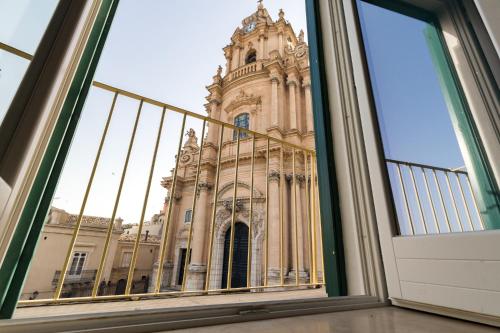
(433, 200)
(290, 229)
(85, 276)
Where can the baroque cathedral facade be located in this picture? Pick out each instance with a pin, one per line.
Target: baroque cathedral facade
(265, 87)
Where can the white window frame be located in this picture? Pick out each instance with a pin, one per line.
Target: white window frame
(126, 255)
(190, 212)
(79, 255)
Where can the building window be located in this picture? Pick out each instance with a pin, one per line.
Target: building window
(241, 121)
(126, 259)
(77, 263)
(188, 215)
(251, 57)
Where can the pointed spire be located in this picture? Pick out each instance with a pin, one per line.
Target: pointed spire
(301, 36)
(261, 6)
(281, 14)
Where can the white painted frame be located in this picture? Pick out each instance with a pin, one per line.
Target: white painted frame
(366, 192)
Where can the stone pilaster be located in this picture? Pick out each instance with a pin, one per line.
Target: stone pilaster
(292, 84)
(198, 268)
(274, 101)
(274, 227)
(309, 114)
(301, 219)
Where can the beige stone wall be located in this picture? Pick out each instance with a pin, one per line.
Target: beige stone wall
(51, 253)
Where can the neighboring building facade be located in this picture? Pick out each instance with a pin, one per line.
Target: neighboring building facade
(45, 271)
(265, 88)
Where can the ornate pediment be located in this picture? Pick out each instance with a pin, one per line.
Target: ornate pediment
(261, 15)
(243, 99)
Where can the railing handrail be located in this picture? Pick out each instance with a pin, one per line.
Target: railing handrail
(196, 115)
(425, 166)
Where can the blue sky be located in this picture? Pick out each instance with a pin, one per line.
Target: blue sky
(22, 25)
(166, 50)
(413, 116)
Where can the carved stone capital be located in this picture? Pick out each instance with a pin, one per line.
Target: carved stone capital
(291, 82)
(275, 79)
(274, 176)
(204, 186)
(300, 178)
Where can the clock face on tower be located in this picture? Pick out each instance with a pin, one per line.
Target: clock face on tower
(249, 27)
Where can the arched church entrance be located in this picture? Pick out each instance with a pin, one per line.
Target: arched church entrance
(240, 253)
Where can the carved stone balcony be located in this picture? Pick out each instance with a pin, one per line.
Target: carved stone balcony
(243, 71)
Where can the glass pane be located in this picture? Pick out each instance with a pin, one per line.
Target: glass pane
(12, 69)
(23, 22)
(432, 160)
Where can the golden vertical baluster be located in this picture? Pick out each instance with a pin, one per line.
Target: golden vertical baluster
(214, 211)
(316, 197)
(434, 215)
(166, 223)
(71, 247)
(414, 183)
(469, 217)
(314, 268)
(308, 214)
(407, 205)
(193, 211)
(106, 244)
(438, 187)
(295, 220)
(233, 213)
(266, 227)
(452, 197)
(135, 251)
(250, 217)
(282, 179)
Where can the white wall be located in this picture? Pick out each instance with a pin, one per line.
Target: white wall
(459, 270)
(490, 13)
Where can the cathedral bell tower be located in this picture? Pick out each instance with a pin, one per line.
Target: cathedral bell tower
(264, 87)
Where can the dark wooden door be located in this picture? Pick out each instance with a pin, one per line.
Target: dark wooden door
(240, 253)
(182, 262)
(120, 287)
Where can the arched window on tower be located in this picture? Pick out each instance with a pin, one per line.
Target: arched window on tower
(251, 57)
(243, 121)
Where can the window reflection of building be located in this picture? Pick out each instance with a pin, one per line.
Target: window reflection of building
(242, 121)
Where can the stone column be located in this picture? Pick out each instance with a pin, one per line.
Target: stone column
(274, 101)
(274, 228)
(213, 129)
(236, 57)
(261, 47)
(309, 115)
(266, 47)
(301, 219)
(198, 267)
(228, 64)
(280, 42)
(292, 103)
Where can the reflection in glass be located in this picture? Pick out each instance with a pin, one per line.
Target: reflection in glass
(427, 137)
(23, 22)
(12, 69)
